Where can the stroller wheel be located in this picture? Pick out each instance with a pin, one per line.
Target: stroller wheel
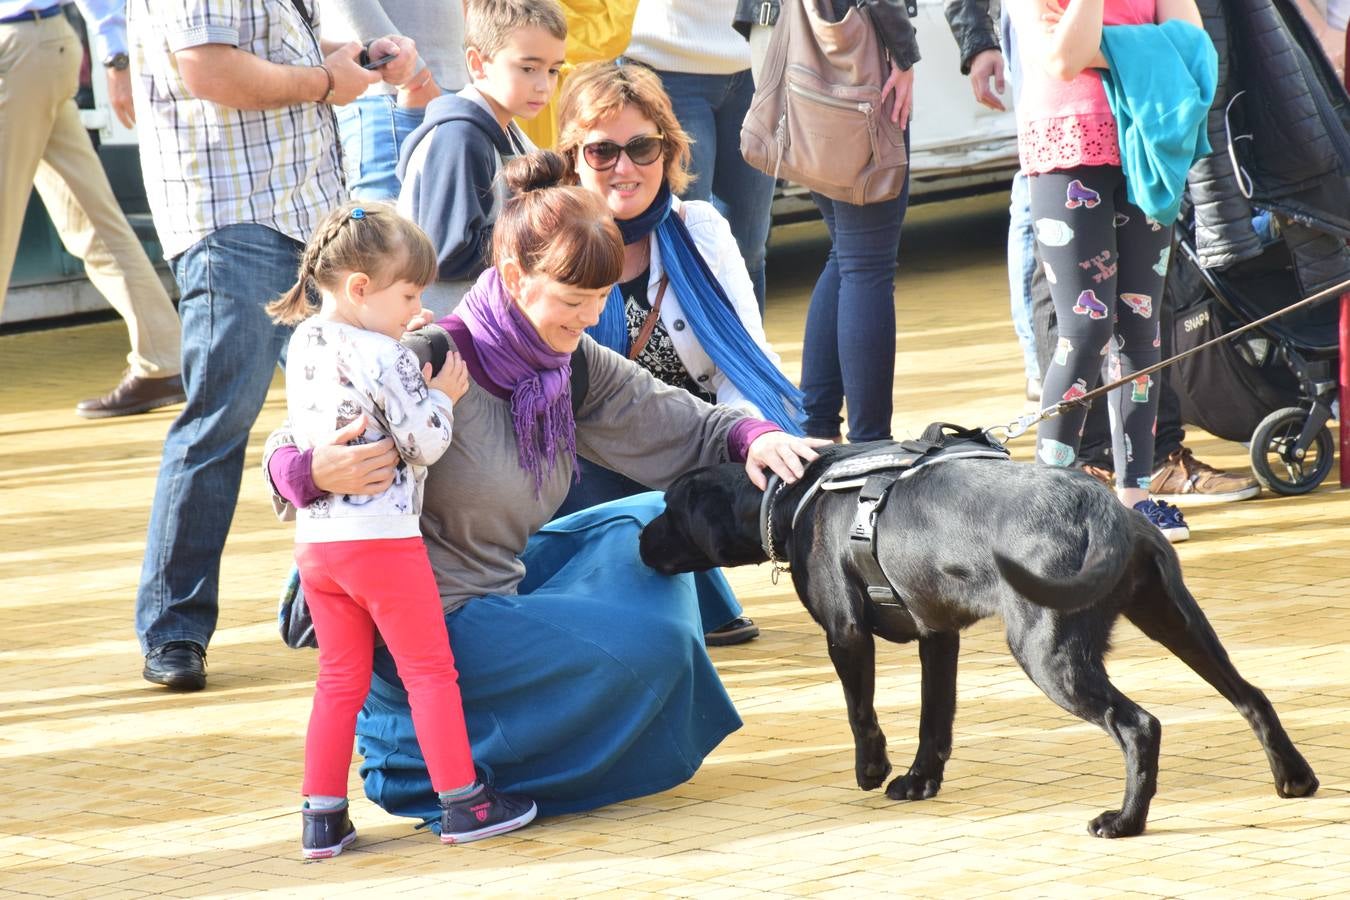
(1275, 457)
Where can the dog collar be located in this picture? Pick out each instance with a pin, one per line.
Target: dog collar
(771, 490)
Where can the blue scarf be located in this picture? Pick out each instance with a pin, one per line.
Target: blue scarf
(709, 312)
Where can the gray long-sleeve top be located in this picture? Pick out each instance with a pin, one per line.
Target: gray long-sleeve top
(437, 26)
(479, 507)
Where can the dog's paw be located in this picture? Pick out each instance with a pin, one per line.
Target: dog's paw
(1302, 783)
(912, 786)
(871, 776)
(1111, 824)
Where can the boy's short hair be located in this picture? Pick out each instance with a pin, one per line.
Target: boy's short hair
(488, 24)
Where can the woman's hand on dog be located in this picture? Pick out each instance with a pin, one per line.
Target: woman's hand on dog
(362, 469)
(785, 454)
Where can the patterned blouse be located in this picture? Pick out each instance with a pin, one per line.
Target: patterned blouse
(659, 356)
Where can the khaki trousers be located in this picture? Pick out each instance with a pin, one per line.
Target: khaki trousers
(44, 146)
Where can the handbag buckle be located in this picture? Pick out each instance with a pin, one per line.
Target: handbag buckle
(766, 14)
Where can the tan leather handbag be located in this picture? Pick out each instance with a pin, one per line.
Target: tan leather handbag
(817, 117)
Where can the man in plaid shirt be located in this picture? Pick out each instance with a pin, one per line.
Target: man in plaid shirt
(240, 153)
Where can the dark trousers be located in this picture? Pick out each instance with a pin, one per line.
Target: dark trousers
(848, 349)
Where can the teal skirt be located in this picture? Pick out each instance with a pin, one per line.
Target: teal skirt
(588, 687)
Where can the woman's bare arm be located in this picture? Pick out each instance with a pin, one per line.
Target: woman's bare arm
(1185, 10)
(1063, 41)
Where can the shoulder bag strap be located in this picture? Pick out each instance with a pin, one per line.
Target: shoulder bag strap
(649, 324)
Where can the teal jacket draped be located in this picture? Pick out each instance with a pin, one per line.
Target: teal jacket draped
(1160, 84)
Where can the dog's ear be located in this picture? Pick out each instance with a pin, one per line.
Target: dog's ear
(711, 520)
(726, 509)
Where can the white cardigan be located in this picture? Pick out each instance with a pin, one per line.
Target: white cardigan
(712, 237)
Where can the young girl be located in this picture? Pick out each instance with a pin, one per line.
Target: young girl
(362, 562)
(1104, 258)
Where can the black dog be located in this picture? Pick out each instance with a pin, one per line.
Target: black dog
(1050, 550)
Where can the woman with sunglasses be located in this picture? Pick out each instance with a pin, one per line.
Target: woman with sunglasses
(684, 308)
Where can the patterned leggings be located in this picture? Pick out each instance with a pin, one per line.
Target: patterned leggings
(1105, 261)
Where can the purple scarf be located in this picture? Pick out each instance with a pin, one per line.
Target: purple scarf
(517, 359)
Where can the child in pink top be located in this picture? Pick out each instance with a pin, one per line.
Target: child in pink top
(1104, 258)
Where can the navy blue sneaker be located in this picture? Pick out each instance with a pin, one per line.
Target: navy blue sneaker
(327, 832)
(484, 815)
(1167, 517)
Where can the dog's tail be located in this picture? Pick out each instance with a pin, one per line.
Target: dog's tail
(1104, 560)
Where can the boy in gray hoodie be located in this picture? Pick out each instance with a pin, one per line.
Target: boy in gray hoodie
(449, 165)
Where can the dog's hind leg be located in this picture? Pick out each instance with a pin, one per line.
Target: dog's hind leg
(1165, 611)
(937, 653)
(853, 652)
(1063, 656)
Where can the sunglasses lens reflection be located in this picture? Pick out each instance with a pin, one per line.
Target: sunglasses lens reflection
(644, 150)
(603, 155)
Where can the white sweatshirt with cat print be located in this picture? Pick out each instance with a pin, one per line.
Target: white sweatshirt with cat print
(335, 372)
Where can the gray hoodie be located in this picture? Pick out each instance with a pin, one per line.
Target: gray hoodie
(449, 170)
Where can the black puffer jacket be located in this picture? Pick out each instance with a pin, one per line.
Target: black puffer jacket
(890, 17)
(1275, 85)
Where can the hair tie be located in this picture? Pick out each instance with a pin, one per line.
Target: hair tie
(358, 213)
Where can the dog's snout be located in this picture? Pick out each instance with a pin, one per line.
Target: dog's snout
(648, 543)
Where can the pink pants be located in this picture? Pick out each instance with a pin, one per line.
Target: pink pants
(352, 588)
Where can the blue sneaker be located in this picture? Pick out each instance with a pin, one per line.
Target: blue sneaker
(1167, 517)
(485, 814)
(327, 832)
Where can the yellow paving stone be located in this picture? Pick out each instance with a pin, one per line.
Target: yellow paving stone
(195, 795)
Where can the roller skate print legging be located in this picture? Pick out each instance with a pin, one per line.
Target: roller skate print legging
(1105, 262)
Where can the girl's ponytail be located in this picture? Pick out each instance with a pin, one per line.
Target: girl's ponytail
(357, 237)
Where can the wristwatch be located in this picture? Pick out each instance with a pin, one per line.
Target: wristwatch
(118, 61)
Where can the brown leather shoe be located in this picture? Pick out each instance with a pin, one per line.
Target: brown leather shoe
(1182, 479)
(1101, 473)
(133, 395)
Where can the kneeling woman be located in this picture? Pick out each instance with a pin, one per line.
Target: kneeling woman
(583, 673)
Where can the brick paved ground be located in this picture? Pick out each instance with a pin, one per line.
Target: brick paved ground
(110, 787)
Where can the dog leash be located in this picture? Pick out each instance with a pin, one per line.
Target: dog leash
(1022, 424)
(771, 490)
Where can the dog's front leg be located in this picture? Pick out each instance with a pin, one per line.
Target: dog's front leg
(853, 652)
(937, 656)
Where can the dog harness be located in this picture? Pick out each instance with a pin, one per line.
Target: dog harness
(872, 474)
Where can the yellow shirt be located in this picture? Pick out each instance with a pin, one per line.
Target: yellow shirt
(597, 30)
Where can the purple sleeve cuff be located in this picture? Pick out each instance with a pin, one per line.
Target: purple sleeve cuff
(743, 434)
(291, 475)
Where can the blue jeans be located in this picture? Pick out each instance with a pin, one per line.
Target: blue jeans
(230, 350)
(373, 130)
(848, 352)
(1021, 268)
(711, 108)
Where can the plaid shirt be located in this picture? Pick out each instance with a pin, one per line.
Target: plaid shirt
(207, 165)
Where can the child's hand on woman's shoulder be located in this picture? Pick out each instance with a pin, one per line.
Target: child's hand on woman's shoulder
(453, 378)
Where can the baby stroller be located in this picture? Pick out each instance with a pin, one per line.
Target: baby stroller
(1267, 226)
(1272, 387)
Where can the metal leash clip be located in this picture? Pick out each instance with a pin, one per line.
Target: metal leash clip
(1014, 429)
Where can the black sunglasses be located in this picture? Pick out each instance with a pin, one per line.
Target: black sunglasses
(643, 150)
